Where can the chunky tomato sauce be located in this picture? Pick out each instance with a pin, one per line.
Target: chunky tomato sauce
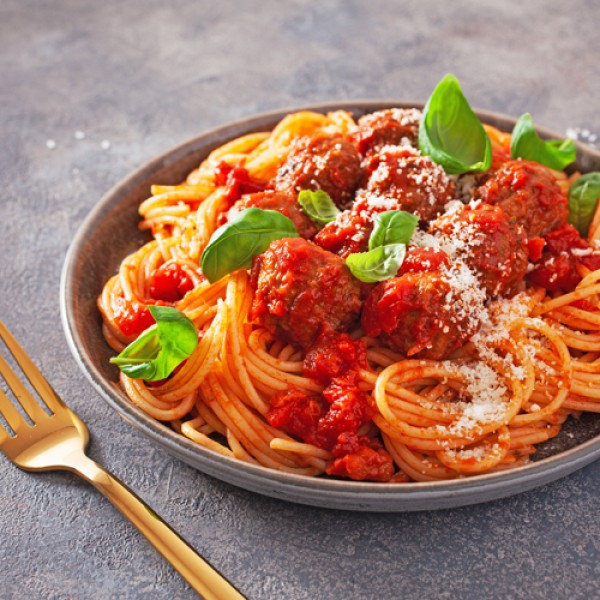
(361, 458)
(320, 419)
(331, 420)
(170, 283)
(333, 355)
(132, 317)
(237, 181)
(564, 261)
(422, 259)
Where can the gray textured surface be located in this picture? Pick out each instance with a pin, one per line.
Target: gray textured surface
(148, 75)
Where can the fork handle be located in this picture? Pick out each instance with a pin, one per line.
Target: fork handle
(202, 576)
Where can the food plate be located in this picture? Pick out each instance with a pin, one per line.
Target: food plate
(110, 232)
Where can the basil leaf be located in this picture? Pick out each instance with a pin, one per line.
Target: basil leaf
(528, 145)
(318, 206)
(392, 227)
(451, 134)
(378, 264)
(159, 350)
(387, 247)
(583, 199)
(235, 244)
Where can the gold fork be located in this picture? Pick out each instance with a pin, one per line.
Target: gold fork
(58, 441)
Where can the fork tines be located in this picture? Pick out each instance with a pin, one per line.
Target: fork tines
(30, 405)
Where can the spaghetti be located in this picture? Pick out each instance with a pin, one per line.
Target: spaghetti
(490, 367)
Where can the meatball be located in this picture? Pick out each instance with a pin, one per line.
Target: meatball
(529, 194)
(412, 181)
(328, 163)
(349, 233)
(488, 243)
(411, 314)
(285, 203)
(391, 127)
(300, 288)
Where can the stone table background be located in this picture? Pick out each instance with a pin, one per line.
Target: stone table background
(140, 77)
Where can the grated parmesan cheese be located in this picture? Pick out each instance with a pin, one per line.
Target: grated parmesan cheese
(475, 453)
(428, 178)
(488, 400)
(375, 203)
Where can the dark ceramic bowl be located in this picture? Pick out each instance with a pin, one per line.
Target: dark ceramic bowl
(110, 233)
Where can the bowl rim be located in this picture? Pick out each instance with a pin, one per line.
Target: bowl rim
(316, 491)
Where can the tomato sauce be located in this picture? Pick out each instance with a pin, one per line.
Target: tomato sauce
(330, 420)
(349, 233)
(297, 413)
(364, 463)
(237, 181)
(132, 317)
(349, 408)
(419, 260)
(332, 355)
(320, 419)
(565, 253)
(170, 283)
(535, 247)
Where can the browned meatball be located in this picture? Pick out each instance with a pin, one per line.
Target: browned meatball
(284, 202)
(411, 181)
(412, 314)
(488, 243)
(529, 194)
(328, 163)
(391, 127)
(301, 288)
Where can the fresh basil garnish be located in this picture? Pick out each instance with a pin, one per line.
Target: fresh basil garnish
(583, 199)
(378, 264)
(158, 351)
(392, 227)
(318, 205)
(249, 233)
(387, 247)
(451, 134)
(527, 145)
